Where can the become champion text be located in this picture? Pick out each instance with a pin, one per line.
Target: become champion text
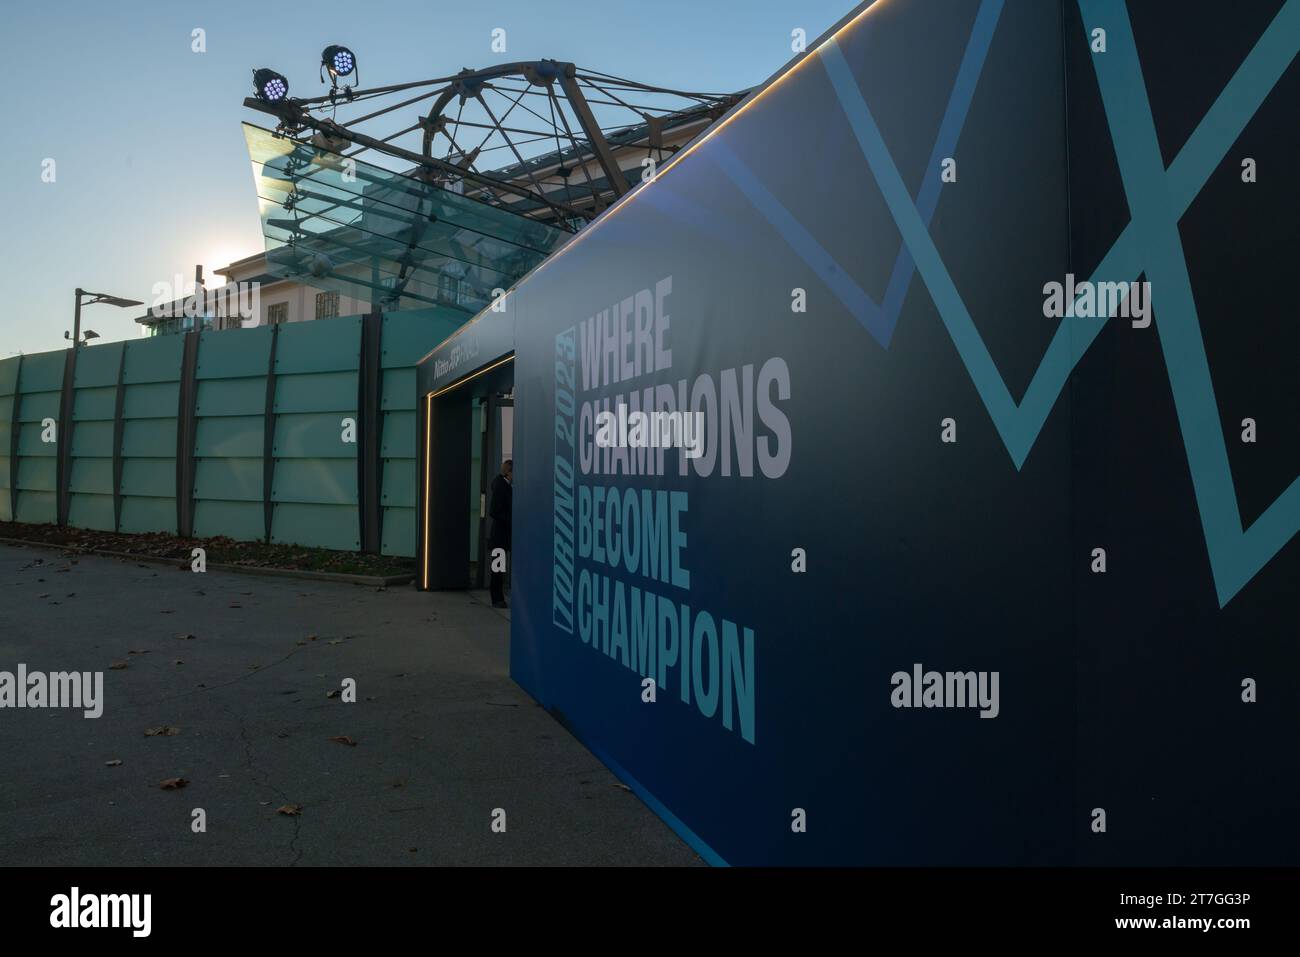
(621, 583)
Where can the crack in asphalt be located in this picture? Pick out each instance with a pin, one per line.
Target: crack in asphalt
(227, 684)
(261, 781)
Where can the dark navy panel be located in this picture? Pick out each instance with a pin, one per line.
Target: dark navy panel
(927, 318)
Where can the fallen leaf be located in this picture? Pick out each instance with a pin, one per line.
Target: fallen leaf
(332, 694)
(143, 651)
(112, 764)
(173, 784)
(165, 731)
(46, 595)
(289, 810)
(117, 665)
(344, 739)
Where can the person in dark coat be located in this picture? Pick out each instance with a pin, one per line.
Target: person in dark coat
(499, 536)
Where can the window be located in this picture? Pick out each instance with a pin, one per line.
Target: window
(277, 313)
(327, 305)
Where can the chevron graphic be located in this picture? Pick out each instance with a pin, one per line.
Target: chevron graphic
(1157, 197)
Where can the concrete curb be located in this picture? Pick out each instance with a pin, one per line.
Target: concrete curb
(375, 581)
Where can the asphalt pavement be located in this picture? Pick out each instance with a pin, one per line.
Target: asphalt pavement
(241, 669)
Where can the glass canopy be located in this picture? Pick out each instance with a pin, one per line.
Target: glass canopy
(386, 238)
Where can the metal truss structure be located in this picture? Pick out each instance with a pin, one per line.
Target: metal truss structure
(546, 139)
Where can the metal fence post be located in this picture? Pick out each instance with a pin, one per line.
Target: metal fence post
(268, 437)
(14, 423)
(185, 436)
(63, 463)
(119, 408)
(369, 427)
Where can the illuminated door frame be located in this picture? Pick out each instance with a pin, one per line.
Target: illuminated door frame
(427, 464)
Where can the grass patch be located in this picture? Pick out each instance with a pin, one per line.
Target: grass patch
(220, 551)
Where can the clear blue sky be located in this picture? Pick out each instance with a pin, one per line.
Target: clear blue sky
(152, 172)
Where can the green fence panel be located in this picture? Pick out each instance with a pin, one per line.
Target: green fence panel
(325, 345)
(406, 339)
(230, 433)
(8, 405)
(94, 406)
(321, 392)
(315, 481)
(38, 474)
(230, 437)
(39, 396)
(399, 437)
(149, 438)
(150, 399)
(314, 477)
(148, 478)
(315, 435)
(93, 439)
(151, 394)
(92, 476)
(314, 488)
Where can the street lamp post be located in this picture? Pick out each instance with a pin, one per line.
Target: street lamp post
(91, 299)
(63, 460)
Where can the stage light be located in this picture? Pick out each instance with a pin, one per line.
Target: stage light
(338, 60)
(270, 86)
